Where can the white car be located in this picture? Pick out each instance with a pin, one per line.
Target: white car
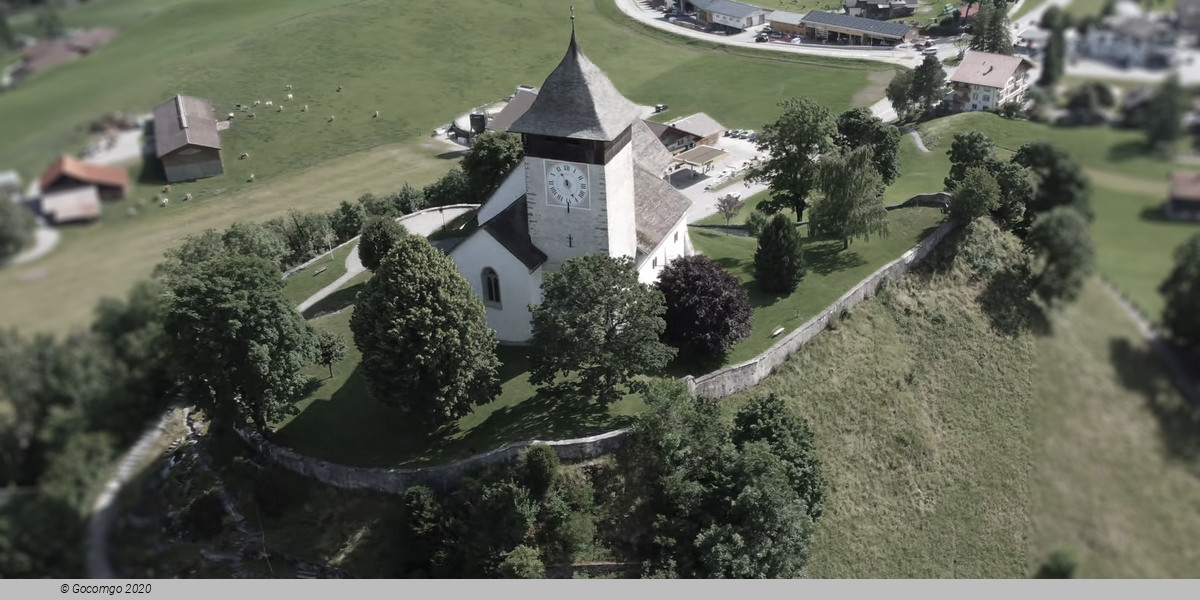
(930, 51)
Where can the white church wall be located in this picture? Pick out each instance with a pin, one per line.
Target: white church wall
(518, 287)
(511, 189)
(675, 245)
(619, 210)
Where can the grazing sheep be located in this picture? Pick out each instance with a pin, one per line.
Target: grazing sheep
(250, 116)
(376, 115)
(330, 118)
(166, 188)
(187, 196)
(244, 156)
(280, 109)
(305, 109)
(289, 96)
(257, 102)
(288, 87)
(269, 103)
(230, 115)
(339, 88)
(251, 180)
(164, 201)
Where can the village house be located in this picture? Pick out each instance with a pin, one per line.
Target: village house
(516, 106)
(703, 129)
(733, 16)
(986, 81)
(71, 190)
(782, 21)
(673, 139)
(1131, 41)
(186, 139)
(1184, 203)
(875, 9)
(590, 183)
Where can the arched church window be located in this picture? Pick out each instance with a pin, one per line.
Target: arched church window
(491, 287)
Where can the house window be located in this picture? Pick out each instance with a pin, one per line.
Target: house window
(676, 236)
(974, 107)
(491, 287)
(974, 96)
(987, 98)
(655, 264)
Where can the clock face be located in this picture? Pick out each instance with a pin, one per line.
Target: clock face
(567, 185)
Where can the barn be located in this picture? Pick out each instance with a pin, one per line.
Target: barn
(66, 173)
(186, 139)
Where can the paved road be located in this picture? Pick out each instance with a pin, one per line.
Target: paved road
(45, 239)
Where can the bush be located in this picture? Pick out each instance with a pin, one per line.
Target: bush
(756, 222)
(522, 562)
(541, 470)
(16, 228)
(1062, 564)
(779, 260)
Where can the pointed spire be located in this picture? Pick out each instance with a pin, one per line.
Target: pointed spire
(577, 100)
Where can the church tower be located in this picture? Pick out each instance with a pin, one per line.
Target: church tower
(579, 168)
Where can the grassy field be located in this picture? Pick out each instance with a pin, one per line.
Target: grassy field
(1082, 8)
(1025, 9)
(1134, 241)
(831, 272)
(395, 61)
(308, 281)
(954, 451)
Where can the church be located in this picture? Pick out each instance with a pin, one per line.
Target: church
(591, 182)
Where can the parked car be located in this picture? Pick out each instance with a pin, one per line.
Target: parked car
(762, 37)
(930, 52)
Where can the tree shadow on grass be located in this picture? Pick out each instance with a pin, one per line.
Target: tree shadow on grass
(1129, 149)
(453, 154)
(1139, 371)
(828, 257)
(334, 302)
(1007, 304)
(553, 413)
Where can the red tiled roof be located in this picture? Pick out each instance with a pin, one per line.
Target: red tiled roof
(86, 172)
(1185, 185)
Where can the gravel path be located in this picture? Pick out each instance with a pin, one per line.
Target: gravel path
(916, 137)
(45, 239)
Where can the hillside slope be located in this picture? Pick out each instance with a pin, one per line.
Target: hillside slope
(953, 450)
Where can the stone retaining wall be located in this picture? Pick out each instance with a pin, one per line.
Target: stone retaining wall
(395, 481)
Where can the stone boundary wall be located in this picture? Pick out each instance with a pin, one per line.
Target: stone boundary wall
(736, 378)
(395, 481)
(400, 220)
(717, 384)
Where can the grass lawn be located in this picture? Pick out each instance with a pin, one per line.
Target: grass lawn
(340, 422)
(1134, 241)
(395, 60)
(1026, 8)
(308, 281)
(831, 272)
(1082, 8)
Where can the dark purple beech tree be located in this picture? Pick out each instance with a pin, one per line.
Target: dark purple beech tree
(708, 310)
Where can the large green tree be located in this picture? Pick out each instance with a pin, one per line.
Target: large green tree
(793, 143)
(768, 419)
(898, 91)
(1016, 191)
(597, 346)
(1164, 115)
(347, 220)
(493, 155)
(852, 206)
(7, 40)
(452, 188)
(252, 239)
(16, 229)
(236, 340)
(928, 85)
(1058, 178)
(379, 236)
(976, 195)
(858, 128)
(1181, 293)
(708, 310)
(426, 346)
(1064, 255)
(970, 149)
(779, 258)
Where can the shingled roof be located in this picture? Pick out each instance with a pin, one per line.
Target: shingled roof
(577, 101)
(884, 28)
(184, 121)
(510, 227)
(648, 151)
(658, 207)
(87, 173)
